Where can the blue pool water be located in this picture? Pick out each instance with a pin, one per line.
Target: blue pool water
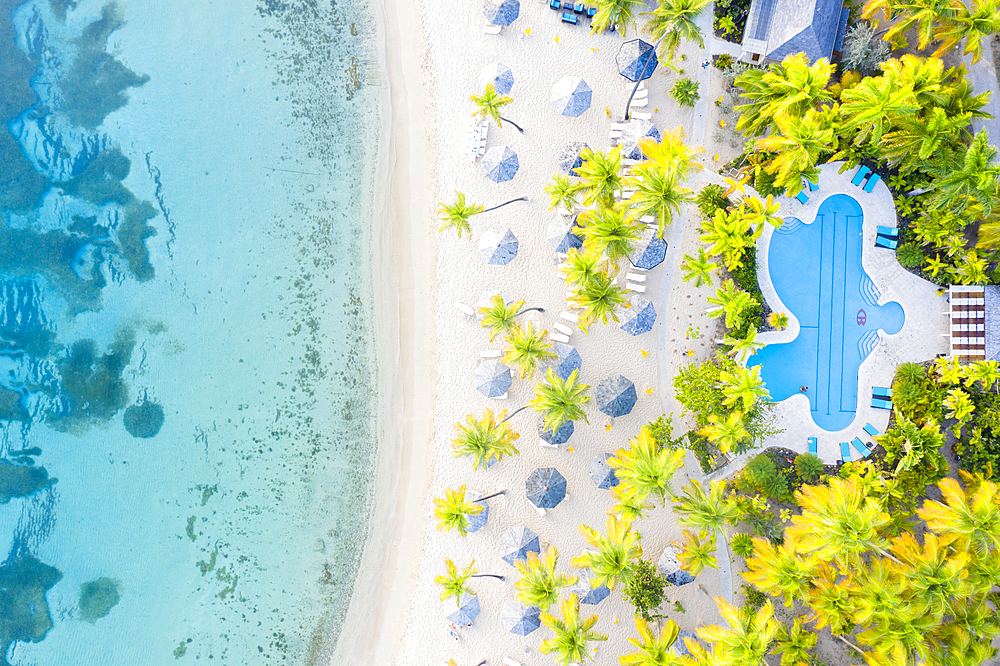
(816, 271)
(187, 394)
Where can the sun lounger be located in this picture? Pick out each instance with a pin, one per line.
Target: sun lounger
(802, 197)
(569, 316)
(812, 186)
(507, 661)
(562, 328)
(881, 392)
(887, 243)
(579, 8)
(862, 172)
(640, 94)
(465, 309)
(627, 162)
(490, 353)
(492, 29)
(647, 219)
(500, 397)
(888, 232)
(812, 446)
(615, 134)
(559, 337)
(570, 18)
(591, 12)
(542, 442)
(635, 287)
(617, 126)
(555, 4)
(635, 277)
(881, 403)
(860, 447)
(845, 453)
(872, 430)
(639, 102)
(638, 115)
(872, 181)
(540, 510)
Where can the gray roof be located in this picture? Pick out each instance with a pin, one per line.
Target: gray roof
(992, 296)
(777, 28)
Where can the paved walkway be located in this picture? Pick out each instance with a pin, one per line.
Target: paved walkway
(983, 77)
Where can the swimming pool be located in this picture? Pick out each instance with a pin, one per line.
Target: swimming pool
(816, 271)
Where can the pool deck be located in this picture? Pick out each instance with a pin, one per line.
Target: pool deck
(924, 332)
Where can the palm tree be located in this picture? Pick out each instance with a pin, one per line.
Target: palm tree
(498, 316)
(572, 635)
(607, 232)
(453, 510)
(973, 180)
(758, 213)
(559, 401)
(619, 12)
(657, 193)
(526, 348)
(727, 432)
(924, 137)
(616, 553)
(708, 511)
(698, 269)
(484, 440)
(644, 468)
(698, 552)
(489, 104)
(872, 106)
(791, 87)
(598, 298)
(780, 570)
(748, 637)
(745, 347)
(653, 650)
(672, 154)
(795, 647)
(743, 386)
(580, 267)
(628, 506)
(972, 514)
(732, 302)
(457, 214)
(934, 573)
(797, 147)
(673, 21)
(562, 192)
(729, 233)
(974, 24)
(921, 15)
(539, 583)
(455, 583)
(600, 175)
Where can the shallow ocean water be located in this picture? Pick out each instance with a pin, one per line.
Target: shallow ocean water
(187, 406)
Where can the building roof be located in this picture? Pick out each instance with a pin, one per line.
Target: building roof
(969, 305)
(777, 28)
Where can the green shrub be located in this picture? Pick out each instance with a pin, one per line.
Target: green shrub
(809, 467)
(742, 545)
(778, 320)
(723, 61)
(685, 91)
(763, 475)
(755, 598)
(644, 589)
(710, 199)
(662, 431)
(910, 255)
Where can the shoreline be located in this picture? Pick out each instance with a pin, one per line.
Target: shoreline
(404, 315)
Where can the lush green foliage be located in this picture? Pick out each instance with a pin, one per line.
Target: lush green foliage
(685, 91)
(645, 589)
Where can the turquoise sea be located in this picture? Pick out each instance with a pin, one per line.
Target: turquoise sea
(187, 381)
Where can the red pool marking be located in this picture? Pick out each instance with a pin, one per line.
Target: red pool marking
(862, 317)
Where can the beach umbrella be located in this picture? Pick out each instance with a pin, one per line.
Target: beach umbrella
(498, 247)
(501, 13)
(585, 592)
(650, 254)
(566, 361)
(499, 75)
(500, 164)
(518, 618)
(636, 60)
(643, 314)
(680, 645)
(680, 577)
(633, 131)
(478, 521)
(602, 473)
(615, 395)
(560, 236)
(492, 378)
(571, 96)
(465, 612)
(570, 159)
(546, 487)
(516, 543)
(560, 436)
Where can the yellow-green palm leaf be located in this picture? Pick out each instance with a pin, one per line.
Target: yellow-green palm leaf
(615, 554)
(539, 583)
(653, 649)
(572, 634)
(453, 510)
(559, 400)
(485, 440)
(526, 348)
(644, 468)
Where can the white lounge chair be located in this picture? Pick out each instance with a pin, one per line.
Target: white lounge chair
(635, 287)
(558, 337)
(490, 353)
(635, 277)
(641, 94)
(465, 309)
(542, 442)
(562, 328)
(569, 316)
(639, 115)
(492, 29)
(639, 103)
(540, 510)
(615, 134)
(507, 661)
(617, 126)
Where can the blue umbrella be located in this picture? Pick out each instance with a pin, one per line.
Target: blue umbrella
(570, 158)
(649, 255)
(560, 436)
(499, 75)
(520, 619)
(501, 13)
(587, 594)
(465, 612)
(516, 543)
(615, 395)
(492, 378)
(560, 236)
(566, 361)
(478, 521)
(500, 164)
(643, 316)
(680, 577)
(546, 487)
(680, 646)
(498, 249)
(602, 473)
(633, 131)
(571, 96)
(636, 60)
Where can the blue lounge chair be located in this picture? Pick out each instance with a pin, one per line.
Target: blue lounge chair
(567, 4)
(881, 392)
(845, 453)
(872, 430)
(881, 403)
(888, 232)
(860, 447)
(812, 186)
(872, 182)
(591, 12)
(555, 4)
(570, 18)
(862, 172)
(579, 8)
(812, 446)
(887, 243)
(802, 197)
